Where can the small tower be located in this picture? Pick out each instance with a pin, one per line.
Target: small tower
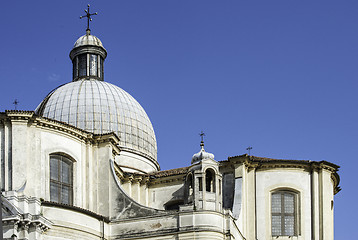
(88, 55)
(203, 182)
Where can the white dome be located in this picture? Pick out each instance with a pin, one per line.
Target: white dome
(197, 157)
(87, 40)
(101, 107)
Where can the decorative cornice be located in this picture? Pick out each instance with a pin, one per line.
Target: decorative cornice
(260, 163)
(167, 176)
(27, 220)
(171, 179)
(110, 138)
(31, 118)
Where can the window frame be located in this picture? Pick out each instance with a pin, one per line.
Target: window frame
(60, 184)
(210, 180)
(283, 214)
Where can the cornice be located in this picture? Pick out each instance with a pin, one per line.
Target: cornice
(264, 163)
(169, 179)
(258, 163)
(27, 220)
(149, 179)
(30, 118)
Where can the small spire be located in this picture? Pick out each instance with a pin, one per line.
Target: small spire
(16, 103)
(202, 154)
(88, 16)
(202, 134)
(249, 149)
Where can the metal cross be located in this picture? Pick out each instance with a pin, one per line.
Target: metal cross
(15, 103)
(202, 134)
(248, 149)
(88, 16)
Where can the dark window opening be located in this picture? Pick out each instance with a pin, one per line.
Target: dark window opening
(61, 188)
(200, 183)
(75, 67)
(210, 180)
(190, 184)
(82, 65)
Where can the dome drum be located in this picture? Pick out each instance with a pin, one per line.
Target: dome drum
(133, 161)
(88, 65)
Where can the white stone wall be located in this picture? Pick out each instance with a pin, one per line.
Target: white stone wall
(267, 181)
(49, 142)
(68, 224)
(25, 160)
(159, 194)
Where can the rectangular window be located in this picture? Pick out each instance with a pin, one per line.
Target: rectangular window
(93, 65)
(200, 179)
(82, 65)
(284, 213)
(75, 67)
(61, 179)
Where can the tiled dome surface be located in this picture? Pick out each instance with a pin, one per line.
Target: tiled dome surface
(101, 107)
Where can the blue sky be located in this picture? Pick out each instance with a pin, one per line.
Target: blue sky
(280, 76)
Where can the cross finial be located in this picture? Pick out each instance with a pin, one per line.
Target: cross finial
(202, 134)
(249, 149)
(15, 103)
(88, 16)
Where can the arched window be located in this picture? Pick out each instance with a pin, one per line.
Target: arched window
(61, 188)
(190, 184)
(210, 180)
(284, 213)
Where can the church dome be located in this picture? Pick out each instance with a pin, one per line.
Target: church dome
(91, 104)
(101, 107)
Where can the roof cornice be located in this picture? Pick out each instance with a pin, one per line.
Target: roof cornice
(260, 163)
(31, 118)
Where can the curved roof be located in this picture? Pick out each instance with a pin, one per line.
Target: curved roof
(101, 107)
(88, 39)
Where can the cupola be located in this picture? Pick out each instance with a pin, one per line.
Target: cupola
(198, 157)
(203, 183)
(87, 56)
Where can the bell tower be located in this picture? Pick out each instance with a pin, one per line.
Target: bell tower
(203, 183)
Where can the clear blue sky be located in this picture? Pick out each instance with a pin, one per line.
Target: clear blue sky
(279, 75)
